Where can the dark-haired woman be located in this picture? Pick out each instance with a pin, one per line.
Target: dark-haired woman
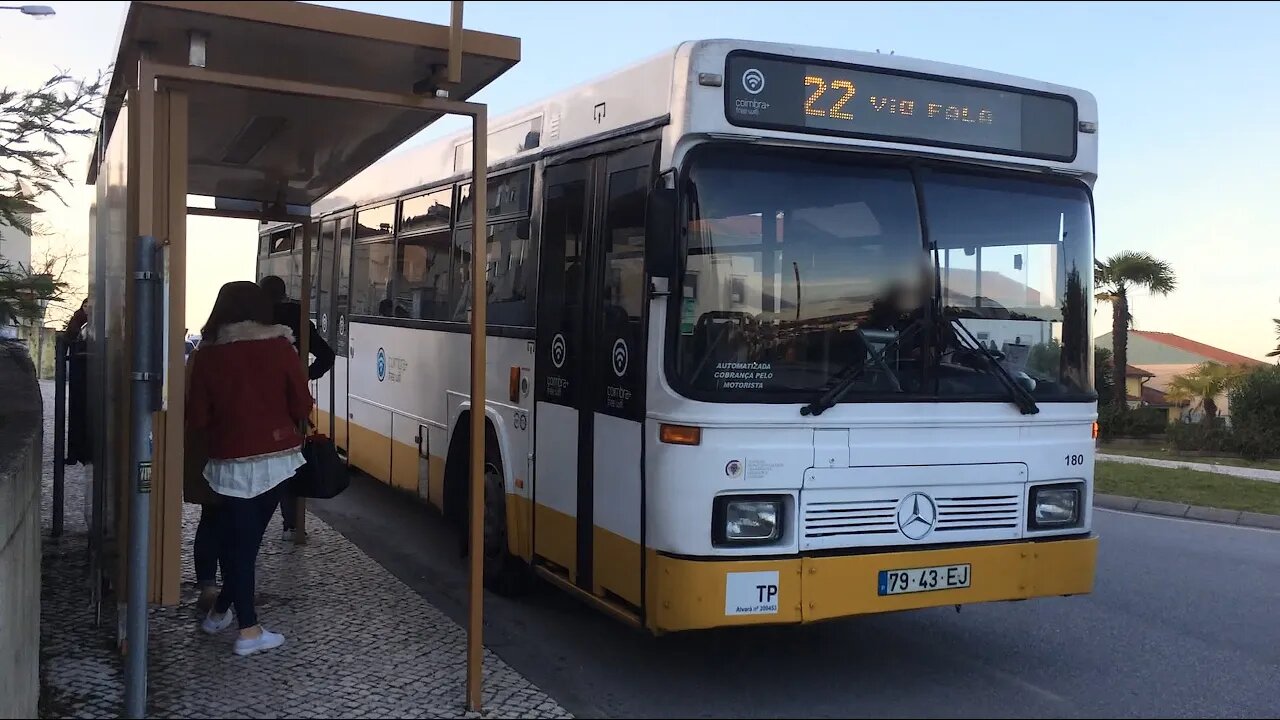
(249, 395)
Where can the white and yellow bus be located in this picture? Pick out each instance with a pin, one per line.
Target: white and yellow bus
(777, 334)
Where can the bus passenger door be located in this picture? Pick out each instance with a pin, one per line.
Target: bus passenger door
(325, 323)
(341, 310)
(590, 372)
(618, 372)
(560, 383)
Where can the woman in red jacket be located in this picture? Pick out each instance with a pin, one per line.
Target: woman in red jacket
(249, 396)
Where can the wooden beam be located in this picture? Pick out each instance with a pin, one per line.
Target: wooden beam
(185, 74)
(455, 44)
(247, 215)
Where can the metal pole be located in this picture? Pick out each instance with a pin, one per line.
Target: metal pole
(59, 429)
(145, 376)
(479, 297)
(304, 349)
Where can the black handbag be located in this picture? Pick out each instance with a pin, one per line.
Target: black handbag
(324, 475)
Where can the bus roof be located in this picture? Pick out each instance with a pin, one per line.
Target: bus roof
(631, 96)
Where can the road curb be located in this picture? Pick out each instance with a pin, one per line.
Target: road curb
(1191, 512)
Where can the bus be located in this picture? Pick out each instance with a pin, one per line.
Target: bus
(776, 334)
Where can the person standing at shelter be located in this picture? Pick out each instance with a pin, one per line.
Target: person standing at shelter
(78, 449)
(195, 490)
(250, 395)
(77, 321)
(289, 313)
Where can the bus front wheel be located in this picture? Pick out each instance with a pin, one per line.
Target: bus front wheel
(504, 573)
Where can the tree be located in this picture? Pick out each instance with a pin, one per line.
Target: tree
(1203, 385)
(1113, 279)
(1276, 352)
(34, 125)
(1103, 382)
(1045, 358)
(57, 263)
(1255, 413)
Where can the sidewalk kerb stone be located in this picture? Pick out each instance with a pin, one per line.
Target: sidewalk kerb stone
(1260, 520)
(1162, 507)
(1115, 502)
(1190, 512)
(1218, 515)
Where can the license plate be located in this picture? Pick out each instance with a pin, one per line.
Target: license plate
(942, 577)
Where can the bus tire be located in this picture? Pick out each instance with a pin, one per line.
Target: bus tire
(504, 573)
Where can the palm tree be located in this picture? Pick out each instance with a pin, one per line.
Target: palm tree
(1202, 385)
(1113, 280)
(1276, 352)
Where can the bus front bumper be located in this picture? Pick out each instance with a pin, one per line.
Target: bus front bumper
(692, 594)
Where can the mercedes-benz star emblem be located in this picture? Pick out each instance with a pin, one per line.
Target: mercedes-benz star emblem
(917, 515)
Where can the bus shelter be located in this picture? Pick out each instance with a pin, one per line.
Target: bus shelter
(266, 107)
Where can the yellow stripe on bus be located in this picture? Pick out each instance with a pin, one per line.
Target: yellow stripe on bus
(616, 562)
(339, 428)
(556, 538)
(371, 452)
(395, 463)
(691, 594)
(404, 466)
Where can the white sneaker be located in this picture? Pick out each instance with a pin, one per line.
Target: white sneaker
(266, 641)
(214, 625)
(287, 536)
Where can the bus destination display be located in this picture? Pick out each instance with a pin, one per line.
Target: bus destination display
(804, 96)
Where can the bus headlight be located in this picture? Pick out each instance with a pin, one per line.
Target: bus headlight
(747, 520)
(1054, 506)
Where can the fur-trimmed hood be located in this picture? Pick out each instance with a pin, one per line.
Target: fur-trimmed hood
(248, 391)
(250, 330)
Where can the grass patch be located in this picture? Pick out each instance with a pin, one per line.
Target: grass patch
(1187, 486)
(1157, 453)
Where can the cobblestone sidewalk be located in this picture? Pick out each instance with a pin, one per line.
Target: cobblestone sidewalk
(360, 644)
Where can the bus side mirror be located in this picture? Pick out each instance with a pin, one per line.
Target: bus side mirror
(660, 233)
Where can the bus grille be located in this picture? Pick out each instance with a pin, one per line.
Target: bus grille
(856, 517)
(977, 512)
(834, 518)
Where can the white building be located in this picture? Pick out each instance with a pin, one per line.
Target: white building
(15, 252)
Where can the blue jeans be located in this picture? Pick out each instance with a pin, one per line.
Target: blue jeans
(244, 520)
(208, 546)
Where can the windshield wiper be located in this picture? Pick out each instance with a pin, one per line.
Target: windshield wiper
(1021, 397)
(853, 371)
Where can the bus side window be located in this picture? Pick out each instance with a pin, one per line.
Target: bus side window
(510, 257)
(371, 278)
(422, 276)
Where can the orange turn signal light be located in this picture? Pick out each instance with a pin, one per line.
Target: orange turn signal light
(1095, 431)
(514, 387)
(679, 434)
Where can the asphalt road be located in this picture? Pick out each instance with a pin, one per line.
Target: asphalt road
(1184, 622)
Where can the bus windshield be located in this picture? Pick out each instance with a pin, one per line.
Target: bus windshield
(804, 268)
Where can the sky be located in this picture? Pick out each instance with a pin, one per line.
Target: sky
(1188, 97)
